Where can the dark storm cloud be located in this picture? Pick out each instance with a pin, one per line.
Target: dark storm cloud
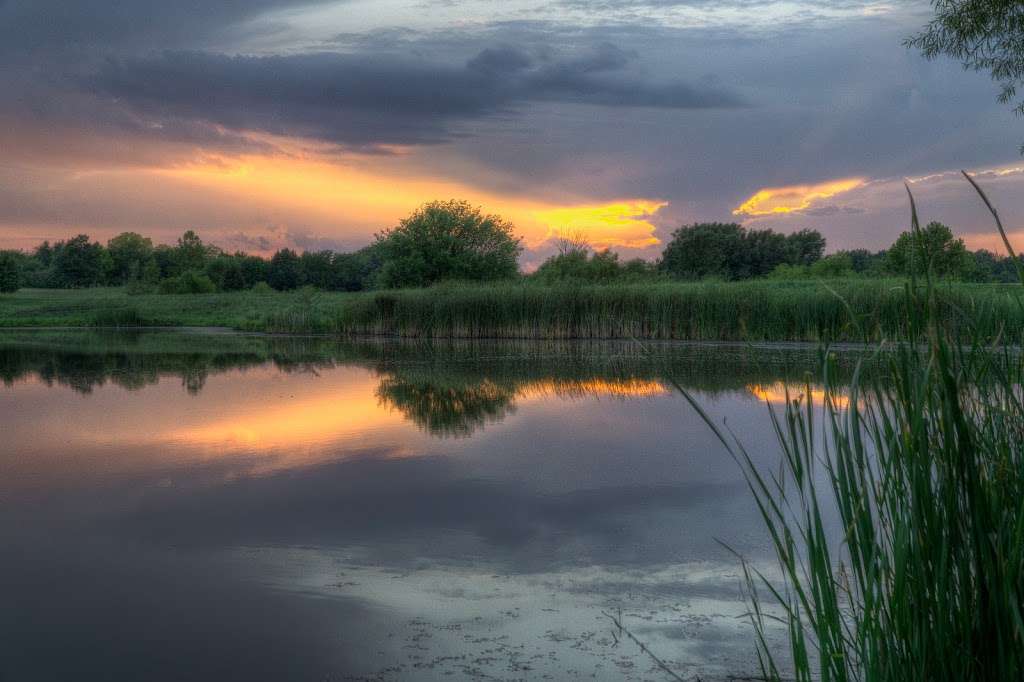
(363, 100)
(45, 25)
(48, 46)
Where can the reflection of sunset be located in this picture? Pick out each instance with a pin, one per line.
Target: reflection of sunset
(794, 198)
(262, 420)
(780, 393)
(293, 423)
(271, 425)
(353, 194)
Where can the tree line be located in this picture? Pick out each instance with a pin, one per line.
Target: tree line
(452, 240)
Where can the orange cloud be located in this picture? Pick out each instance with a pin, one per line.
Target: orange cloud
(366, 200)
(772, 200)
(621, 223)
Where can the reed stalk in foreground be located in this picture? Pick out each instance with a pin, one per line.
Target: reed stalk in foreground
(924, 470)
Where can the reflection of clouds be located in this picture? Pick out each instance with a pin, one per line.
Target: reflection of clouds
(692, 613)
(295, 493)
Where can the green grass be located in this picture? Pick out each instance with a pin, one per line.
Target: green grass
(842, 310)
(923, 466)
(115, 307)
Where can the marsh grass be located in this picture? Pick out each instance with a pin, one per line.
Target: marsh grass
(701, 311)
(924, 469)
(839, 310)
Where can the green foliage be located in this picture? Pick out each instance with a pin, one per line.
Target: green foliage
(756, 310)
(358, 270)
(454, 242)
(190, 253)
(990, 267)
(284, 272)
(317, 269)
(78, 263)
(44, 254)
(146, 281)
(834, 266)
(922, 465)
(704, 249)
(805, 247)
(730, 251)
(866, 262)
(448, 240)
(119, 318)
(10, 272)
(226, 273)
(129, 254)
(578, 264)
(932, 249)
(190, 282)
(984, 35)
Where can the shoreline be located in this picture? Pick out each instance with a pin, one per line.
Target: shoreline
(750, 312)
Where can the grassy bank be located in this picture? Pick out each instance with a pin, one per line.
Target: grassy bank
(707, 311)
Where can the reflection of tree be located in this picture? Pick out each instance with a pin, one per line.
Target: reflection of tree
(448, 389)
(447, 409)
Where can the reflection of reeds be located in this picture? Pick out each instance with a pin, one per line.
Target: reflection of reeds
(594, 387)
(924, 468)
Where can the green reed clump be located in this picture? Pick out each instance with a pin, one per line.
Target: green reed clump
(924, 470)
(120, 318)
(303, 315)
(703, 311)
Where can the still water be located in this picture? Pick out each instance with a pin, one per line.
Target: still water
(211, 506)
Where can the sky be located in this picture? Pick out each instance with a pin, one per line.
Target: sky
(316, 124)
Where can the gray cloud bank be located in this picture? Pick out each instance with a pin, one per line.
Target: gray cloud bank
(537, 106)
(364, 100)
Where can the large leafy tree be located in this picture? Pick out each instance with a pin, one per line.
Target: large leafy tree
(191, 253)
(78, 263)
(284, 271)
(933, 248)
(704, 250)
(448, 240)
(805, 247)
(731, 251)
(129, 253)
(984, 35)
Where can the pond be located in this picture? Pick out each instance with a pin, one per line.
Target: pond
(214, 506)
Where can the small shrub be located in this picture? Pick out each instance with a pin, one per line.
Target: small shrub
(190, 282)
(119, 317)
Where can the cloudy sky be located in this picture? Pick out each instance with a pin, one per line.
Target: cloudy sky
(316, 123)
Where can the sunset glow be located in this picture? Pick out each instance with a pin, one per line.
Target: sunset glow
(623, 223)
(772, 200)
(351, 193)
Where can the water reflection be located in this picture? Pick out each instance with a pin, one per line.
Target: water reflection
(450, 389)
(215, 506)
